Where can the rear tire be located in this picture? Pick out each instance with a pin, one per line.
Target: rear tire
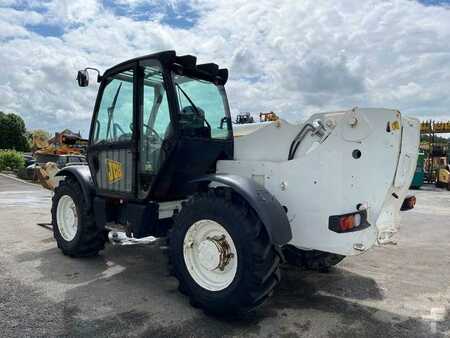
(248, 276)
(311, 259)
(74, 227)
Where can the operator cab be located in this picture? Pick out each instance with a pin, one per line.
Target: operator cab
(159, 121)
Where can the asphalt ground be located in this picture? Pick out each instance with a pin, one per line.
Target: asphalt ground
(398, 290)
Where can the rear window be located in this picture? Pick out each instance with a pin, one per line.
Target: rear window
(44, 158)
(74, 159)
(62, 161)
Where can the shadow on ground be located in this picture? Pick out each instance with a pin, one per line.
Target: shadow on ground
(127, 290)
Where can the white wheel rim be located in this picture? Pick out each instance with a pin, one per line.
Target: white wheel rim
(210, 255)
(67, 218)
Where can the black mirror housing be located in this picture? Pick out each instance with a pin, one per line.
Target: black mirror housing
(83, 78)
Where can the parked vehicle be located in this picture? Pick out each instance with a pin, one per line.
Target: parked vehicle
(164, 161)
(61, 160)
(419, 174)
(46, 166)
(29, 160)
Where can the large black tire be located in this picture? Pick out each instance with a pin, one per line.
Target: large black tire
(258, 259)
(88, 240)
(311, 259)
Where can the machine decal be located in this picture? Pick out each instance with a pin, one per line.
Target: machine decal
(395, 125)
(113, 171)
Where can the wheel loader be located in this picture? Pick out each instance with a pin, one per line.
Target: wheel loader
(443, 177)
(232, 202)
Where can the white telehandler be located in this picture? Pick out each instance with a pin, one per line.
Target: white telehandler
(165, 162)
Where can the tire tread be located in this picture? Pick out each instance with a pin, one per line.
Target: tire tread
(265, 273)
(92, 239)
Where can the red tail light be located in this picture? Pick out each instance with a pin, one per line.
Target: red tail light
(346, 222)
(349, 222)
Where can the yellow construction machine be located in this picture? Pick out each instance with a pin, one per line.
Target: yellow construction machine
(54, 153)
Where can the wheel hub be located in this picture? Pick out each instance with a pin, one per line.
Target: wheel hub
(210, 255)
(67, 218)
(214, 253)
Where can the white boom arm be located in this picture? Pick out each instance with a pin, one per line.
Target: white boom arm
(361, 158)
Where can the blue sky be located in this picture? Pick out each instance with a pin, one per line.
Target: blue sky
(435, 2)
(293, 57)
(176, 14)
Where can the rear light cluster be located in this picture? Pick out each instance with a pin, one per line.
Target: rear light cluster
(348, 222)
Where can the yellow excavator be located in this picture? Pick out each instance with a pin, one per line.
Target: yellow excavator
(268, 117)
(52, 154)
(443, 177)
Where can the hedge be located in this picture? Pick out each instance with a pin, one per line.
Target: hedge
(11, 160)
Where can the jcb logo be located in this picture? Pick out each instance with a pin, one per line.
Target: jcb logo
(395, 125)
(113, 171)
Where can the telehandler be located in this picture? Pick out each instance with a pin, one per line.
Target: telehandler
(165, 162)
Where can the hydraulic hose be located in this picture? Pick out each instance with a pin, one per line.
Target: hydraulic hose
(298, 139)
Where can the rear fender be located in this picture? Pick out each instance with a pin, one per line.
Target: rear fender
(82, 175)
(268, 208)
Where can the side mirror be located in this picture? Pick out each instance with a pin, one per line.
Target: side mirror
(83, 78)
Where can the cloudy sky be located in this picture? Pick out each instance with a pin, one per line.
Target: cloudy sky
(292, 57)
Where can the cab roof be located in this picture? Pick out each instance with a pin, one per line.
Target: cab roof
(184, 63)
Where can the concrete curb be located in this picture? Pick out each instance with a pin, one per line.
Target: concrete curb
(20, 180)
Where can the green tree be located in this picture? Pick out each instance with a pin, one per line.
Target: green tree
(13, 132)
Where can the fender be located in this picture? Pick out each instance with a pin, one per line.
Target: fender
(82, 174)
(268, 208)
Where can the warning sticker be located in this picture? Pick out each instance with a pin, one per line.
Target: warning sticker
(113, 171)
(395, 125)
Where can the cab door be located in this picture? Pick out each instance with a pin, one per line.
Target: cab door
(155, 125)
(112, 149)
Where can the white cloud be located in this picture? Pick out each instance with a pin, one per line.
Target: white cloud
(136, 3)
(13, 31)
(69, 11)
(13, 16)
(292, 57)
(4, 3)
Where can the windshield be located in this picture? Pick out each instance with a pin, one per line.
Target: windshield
(203, 108)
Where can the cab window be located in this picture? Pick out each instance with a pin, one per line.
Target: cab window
(155, 125)
(115, 114)
(203, 108)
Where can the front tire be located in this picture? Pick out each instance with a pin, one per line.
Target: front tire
(221, 254)
(74, 227)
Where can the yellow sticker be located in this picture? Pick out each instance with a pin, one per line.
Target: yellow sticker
(113, 171)
(395, 125)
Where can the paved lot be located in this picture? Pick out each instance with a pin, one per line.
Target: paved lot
(400, 290)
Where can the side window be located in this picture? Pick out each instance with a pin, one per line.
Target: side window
(115, 114)
(156, 114)
(203, 106)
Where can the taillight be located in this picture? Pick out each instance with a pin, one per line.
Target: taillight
(348, 222)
